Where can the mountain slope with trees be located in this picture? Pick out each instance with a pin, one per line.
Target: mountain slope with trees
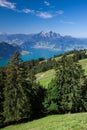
(23, 99)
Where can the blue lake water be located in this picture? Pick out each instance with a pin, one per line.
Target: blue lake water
(36, 53)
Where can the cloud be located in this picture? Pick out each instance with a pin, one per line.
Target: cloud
(67, 22)
(27, 11)
(46, 3)
(44, 15)
(59, 12)
(41, 14)
(6, 4)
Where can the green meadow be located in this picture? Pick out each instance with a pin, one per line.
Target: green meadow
(83, 62)
(44, 78)
(54, 122)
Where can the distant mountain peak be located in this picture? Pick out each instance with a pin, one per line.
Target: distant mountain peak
(42, 33)
(49, 34)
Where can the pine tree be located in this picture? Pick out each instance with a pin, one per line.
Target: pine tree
(50, 103)
(17, 104)
(64, 92)
(38, 95)
(84, 93)
(2, 86)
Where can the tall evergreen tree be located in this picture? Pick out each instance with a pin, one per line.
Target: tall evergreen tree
(2, 86)
(17, 103)
(38, 95)
(64, 92)
(84, 93)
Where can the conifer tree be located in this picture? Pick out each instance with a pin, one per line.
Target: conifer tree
(84, 93)
(64, 92)
(17, 103)
(2, 86)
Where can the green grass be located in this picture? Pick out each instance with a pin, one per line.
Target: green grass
(83, 62)
(44, 78)
(45, 81)
(54, 122)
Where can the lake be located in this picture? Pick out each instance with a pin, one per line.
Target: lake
(36, 53)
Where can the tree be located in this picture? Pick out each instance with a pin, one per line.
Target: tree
(2, 86)
(17, 104)
(84, 93)
(38, 95)
(64, 92)
(50, 103)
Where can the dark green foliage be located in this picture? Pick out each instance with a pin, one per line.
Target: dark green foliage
(50, 103)
(38, 95)
(31, 76)
(64, 92)
(22, 98)
(81, 54)
(16, 105)
(2, 86)
(40, 65)
(84, 93)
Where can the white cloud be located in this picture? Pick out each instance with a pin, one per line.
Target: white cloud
(6, 4)
(41, 14)
(44, 15)
(59, 12)
(67, 22)
(46, 3)
(27, 11)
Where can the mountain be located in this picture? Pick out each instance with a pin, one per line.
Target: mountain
(14, 38)
(21, 38)
(54, 41)
(43, 40)
(7, 50)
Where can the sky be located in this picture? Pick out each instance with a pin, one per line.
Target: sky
(67, 17)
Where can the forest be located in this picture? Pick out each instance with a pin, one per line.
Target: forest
(23, 99)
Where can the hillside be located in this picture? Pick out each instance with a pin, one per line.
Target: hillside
(7, 50)
(42, 102)
(54, 122)
(44, 78)
(83, 62)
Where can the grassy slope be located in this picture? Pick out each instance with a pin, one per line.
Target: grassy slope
(84, 65)
(44, 78)
(55, 122)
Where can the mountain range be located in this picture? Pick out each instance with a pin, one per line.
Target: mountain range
(43, 40)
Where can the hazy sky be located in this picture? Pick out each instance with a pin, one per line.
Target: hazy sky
(67, 17)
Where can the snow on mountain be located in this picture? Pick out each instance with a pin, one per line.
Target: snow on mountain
(46, 40)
